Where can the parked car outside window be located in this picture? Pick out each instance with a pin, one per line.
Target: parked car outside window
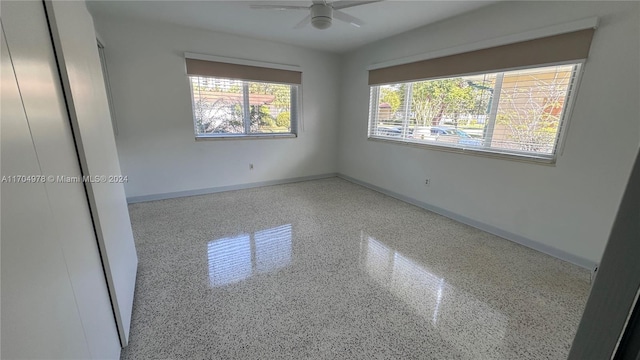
(451, 134)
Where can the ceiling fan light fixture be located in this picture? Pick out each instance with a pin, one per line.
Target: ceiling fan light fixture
(321, 16)
(322, 12)
(321, 22)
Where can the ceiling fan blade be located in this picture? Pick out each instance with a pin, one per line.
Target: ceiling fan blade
(278, 7)
(338, 5)
(347, 18)
(303, 22)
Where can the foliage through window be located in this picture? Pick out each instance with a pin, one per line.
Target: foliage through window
(519, 112)
(230, 107)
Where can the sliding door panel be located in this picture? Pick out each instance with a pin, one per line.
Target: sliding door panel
(75, 43)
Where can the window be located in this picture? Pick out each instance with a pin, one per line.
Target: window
(517, 113)
(231, 100)
(237, 107)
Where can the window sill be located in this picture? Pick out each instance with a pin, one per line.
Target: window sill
(472, 151)
(244, 137)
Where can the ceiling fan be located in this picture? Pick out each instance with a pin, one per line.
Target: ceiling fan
(322, 12)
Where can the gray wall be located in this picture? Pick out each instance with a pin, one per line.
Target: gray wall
(568, 207)
(152, 102)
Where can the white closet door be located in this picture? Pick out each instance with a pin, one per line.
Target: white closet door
(29, 41)
(39, 315)
(75, 43)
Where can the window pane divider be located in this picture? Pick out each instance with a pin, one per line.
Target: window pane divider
(407, 110)
(246, 106)
(373, 110)
(493, 113)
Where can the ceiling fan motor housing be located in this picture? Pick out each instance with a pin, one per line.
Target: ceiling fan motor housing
(321, 16)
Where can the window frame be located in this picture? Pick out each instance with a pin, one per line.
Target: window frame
(107, 84)
(295, 98)
(564, 124)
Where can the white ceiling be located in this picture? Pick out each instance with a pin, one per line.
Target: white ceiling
(382, 19)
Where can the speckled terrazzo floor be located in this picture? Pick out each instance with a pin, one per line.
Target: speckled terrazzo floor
(328, 269)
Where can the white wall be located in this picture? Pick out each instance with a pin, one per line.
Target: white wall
(152, 101)
(570, 206)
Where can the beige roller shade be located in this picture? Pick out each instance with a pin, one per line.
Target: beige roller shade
(547, 50)
(244, 72)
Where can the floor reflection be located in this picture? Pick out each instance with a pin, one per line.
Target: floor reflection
(468, 323)
(236, 258)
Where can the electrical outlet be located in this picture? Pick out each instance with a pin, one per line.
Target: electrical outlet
(250, 166)
(427, 182)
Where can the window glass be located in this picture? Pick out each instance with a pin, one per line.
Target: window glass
(518, 112)
(231, 107)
